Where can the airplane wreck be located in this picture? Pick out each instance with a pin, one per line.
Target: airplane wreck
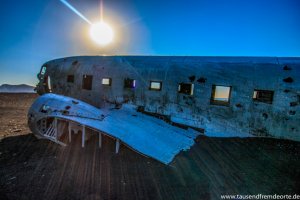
(158, 105)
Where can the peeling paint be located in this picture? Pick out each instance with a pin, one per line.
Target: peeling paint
(243, 74)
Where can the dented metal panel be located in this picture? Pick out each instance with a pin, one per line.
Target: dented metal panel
(147, 135)
(243, 74)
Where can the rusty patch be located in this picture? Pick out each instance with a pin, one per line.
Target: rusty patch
(288, 80)
(287, 68)
(292, 104)
(265, 115)
(192, 78)
(201, 80)
(65, 112)
(238, 105)
(292, 112)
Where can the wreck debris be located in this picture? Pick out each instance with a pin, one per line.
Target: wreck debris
(148, 136)
(159, 87)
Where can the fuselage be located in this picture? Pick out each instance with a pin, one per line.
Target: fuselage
(255, 95)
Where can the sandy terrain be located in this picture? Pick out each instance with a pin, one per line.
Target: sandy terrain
(39, 169)
(13, 113)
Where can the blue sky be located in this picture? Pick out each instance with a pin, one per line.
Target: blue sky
(35, 31)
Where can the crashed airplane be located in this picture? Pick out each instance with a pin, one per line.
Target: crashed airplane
(158, 105)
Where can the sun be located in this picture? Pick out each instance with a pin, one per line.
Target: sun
(101, 33)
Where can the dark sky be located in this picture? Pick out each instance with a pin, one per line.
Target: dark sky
(35, 31)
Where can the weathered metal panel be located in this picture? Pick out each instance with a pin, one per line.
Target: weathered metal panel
(244, 74)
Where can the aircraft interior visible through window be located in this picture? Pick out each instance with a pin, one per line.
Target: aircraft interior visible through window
(265, 96)
(129, 83)
(70, 79)
(87, 81)
(186, 88)
(155, 85)
(220, 95)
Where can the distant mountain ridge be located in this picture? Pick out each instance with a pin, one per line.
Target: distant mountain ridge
(22, 88)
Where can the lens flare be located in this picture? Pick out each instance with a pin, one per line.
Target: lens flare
(75, 11)
(101, 33)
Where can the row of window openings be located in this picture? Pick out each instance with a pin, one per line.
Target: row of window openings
(220, 94)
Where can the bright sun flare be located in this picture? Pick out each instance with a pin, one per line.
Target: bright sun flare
(101, 33)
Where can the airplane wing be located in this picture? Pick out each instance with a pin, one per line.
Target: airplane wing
(145, 134)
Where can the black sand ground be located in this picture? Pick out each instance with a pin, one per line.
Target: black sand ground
(13, 113)
(40, 169)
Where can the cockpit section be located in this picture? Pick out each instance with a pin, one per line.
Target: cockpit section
(44, 85)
